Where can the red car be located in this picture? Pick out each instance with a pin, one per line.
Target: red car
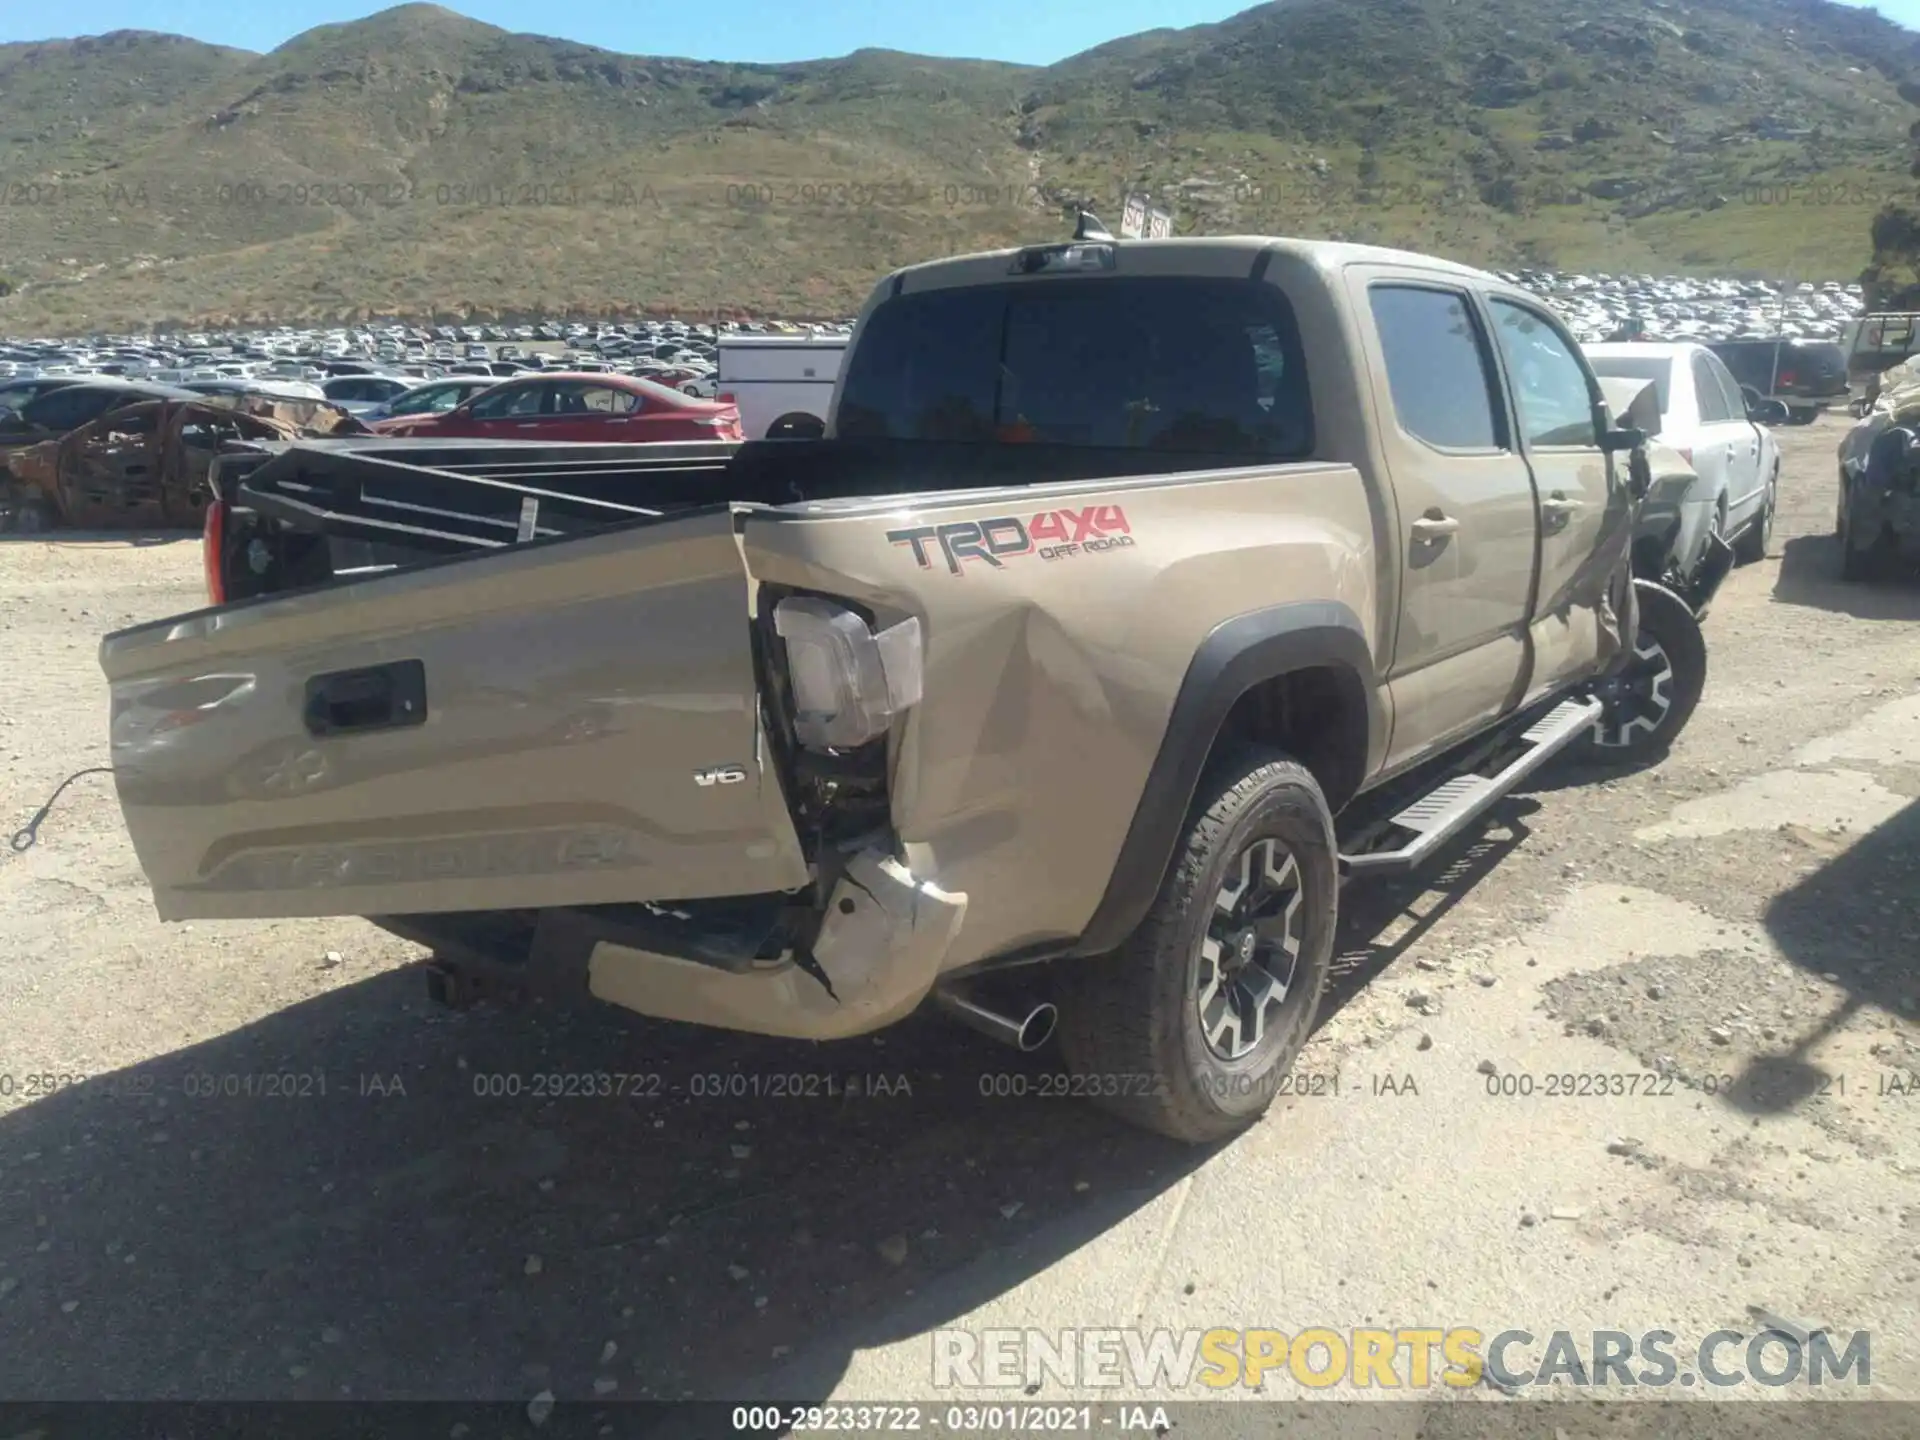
(610, 409)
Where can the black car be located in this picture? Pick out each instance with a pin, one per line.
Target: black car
(18, 394)
(1804, 375)
(53, 413)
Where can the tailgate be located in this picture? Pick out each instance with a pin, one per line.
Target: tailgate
(566, 723)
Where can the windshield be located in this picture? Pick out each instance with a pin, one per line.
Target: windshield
(1156, 363)
(428, 400)
(1637, 367)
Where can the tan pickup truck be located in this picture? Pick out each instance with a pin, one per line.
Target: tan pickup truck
(1136, 595)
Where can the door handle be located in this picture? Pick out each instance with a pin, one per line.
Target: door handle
(1434, 527)
(385, 697)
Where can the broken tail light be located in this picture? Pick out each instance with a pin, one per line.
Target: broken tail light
(849, 684)
(213, 538)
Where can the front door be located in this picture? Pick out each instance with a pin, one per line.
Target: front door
(1557, 403)
(1465, 527)
(506, 412)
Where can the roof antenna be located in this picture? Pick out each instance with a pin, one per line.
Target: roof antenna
(1090, 228)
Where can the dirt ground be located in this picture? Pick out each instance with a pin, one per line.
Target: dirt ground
(1744, 917)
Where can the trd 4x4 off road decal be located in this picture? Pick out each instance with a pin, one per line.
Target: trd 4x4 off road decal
(1052, 535)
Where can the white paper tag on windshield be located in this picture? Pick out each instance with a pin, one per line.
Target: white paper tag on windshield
(529, 512)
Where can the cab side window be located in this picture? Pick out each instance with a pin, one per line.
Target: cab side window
(1708, 395)
(1437, 367)
(1549, 381)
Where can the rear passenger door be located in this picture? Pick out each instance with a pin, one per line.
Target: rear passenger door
(1557, 403)
(1466, 521)
(1723, 412)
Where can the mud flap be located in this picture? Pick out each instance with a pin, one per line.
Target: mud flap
(880, 947)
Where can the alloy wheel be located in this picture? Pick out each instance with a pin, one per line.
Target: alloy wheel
(1251, 949)
(1638, 698)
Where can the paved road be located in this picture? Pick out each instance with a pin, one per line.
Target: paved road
(1743, 918)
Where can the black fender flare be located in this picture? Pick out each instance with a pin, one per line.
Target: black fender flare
(1235, 656)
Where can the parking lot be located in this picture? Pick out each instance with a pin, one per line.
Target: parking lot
(267, 1166)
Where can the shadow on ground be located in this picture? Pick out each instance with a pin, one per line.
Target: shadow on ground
(1810, 576)
(428, 1204)
(138, 539)
(1855, 922)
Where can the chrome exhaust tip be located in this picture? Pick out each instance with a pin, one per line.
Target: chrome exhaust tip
(1025, 1032)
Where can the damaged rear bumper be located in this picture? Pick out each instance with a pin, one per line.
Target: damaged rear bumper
(881, 944)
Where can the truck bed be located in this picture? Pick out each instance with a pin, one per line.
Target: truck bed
(331, 508)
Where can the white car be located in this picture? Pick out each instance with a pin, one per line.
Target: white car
(1712, 426)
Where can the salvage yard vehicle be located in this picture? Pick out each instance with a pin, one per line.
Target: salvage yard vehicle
(1138, 594)
(1881, 340)
(364, 394)
(1690, 560)
(147, 462)
(435, 397)
(770, 376)
(56, 411)
(1718, 431)
(589, 408)
(1804, 376)
(1877, 517)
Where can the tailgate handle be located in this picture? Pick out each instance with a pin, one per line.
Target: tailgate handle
(386, 697)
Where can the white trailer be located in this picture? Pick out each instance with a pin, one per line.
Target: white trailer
(768, 376)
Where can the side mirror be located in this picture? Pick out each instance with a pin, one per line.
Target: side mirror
(1622, 437)
(1768, 412)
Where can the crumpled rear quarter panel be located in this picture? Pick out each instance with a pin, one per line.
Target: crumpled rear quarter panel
(1049, 680)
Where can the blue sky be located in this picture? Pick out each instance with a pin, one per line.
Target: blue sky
(746, 30)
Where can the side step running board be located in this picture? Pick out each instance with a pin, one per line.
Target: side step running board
(1438, 816)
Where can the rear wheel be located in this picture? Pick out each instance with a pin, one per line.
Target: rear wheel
(1649, 699)
(1192, 1025)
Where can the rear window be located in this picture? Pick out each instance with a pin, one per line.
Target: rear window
(1887, 335)
(1161, 363)
(1637, 367)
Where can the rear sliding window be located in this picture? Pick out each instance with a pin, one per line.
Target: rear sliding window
(1160, 363)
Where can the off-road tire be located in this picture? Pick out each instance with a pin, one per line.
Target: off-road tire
(1855, 563)
(1666, 640)
(1130, 1026)
(1861, 563)
(1753, 541)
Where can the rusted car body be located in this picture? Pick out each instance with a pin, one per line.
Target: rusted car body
(145, 464)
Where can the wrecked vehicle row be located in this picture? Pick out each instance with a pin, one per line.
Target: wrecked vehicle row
(146, 463)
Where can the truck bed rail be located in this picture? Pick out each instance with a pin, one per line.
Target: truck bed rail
(440, 498)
